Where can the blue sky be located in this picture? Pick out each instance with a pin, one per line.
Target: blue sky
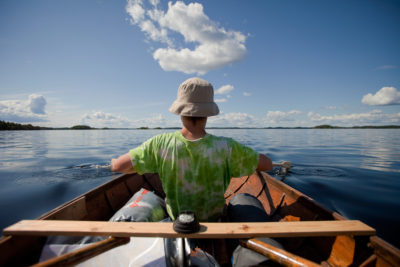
(272, 63)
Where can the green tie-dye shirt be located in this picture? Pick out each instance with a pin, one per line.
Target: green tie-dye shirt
(195, 174)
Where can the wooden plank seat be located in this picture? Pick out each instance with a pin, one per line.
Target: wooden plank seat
(207, 230)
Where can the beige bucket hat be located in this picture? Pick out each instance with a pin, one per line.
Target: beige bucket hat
(195, 99)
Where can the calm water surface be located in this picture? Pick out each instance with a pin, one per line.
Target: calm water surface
(354, 172)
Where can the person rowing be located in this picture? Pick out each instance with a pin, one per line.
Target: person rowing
(195, 167)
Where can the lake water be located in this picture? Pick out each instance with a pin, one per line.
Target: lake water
(355, 172)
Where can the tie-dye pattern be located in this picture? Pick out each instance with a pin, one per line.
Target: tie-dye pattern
(195, 174)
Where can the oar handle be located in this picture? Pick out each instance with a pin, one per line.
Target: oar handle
(85, 253)
(283, 164)
(280, 256)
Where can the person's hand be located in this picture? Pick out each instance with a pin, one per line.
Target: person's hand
(123, 164)
(286, 164)
(112, 163)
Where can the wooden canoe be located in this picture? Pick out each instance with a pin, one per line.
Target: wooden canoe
(280, 201)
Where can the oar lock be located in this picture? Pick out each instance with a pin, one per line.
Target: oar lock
(186, 223)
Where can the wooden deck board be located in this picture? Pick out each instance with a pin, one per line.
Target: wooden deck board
(208, 230)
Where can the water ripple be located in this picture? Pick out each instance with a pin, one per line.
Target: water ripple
(355, 172)
(81, 172)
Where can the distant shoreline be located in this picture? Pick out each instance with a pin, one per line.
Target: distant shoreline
(11, 126)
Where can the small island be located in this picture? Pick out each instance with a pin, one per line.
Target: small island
(81, 127)
(326, 126)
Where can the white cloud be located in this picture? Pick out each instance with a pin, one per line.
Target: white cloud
(101, 119)
(37, 104)
(136, 11)
(234, 119)
(214, 46)
(23, 111)
(277, 116)
(246, 94)
(291, 118)
(220, 100)
(155, 120)
(385, 96)
(372, 117)
(225, 89)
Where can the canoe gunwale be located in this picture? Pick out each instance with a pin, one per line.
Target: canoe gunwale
(278, 198)
(382, 250)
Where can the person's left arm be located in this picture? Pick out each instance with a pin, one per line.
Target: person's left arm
(244, 160)
(264, 163)
(122, 164)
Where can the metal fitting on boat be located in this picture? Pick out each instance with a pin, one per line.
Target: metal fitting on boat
(186, 223)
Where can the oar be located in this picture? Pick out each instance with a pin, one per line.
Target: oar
(275, 254)
(85, 253)
(283, 164)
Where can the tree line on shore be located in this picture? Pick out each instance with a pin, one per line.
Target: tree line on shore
(5, 125)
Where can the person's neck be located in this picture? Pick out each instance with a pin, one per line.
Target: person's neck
(193, 133)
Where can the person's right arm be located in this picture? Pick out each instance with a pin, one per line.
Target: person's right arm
(122, 164)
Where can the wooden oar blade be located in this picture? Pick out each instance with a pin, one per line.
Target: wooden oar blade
(207, 230)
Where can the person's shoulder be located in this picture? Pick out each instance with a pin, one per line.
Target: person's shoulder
(221, 139)
(216, 137)
(230, 142)
(160, 140)
(166, 136)
(161, 135)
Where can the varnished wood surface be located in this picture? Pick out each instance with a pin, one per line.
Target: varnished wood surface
(281, 202)
(207, 230)
(278, 255)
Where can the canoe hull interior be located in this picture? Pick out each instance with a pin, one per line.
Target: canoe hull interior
(280, 201)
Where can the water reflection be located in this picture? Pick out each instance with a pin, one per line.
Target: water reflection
(381, 152)
(361, 148)
(20, 149)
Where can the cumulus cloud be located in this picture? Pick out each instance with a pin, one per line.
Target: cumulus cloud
(372, 117)
(23, 111)
(208, 45)
(233, 119)
(221, 100)
(37, 104)
(281, 116)
(223, 90)
(246, 94)
(101, 119)
(155, 120)
(385, 96)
